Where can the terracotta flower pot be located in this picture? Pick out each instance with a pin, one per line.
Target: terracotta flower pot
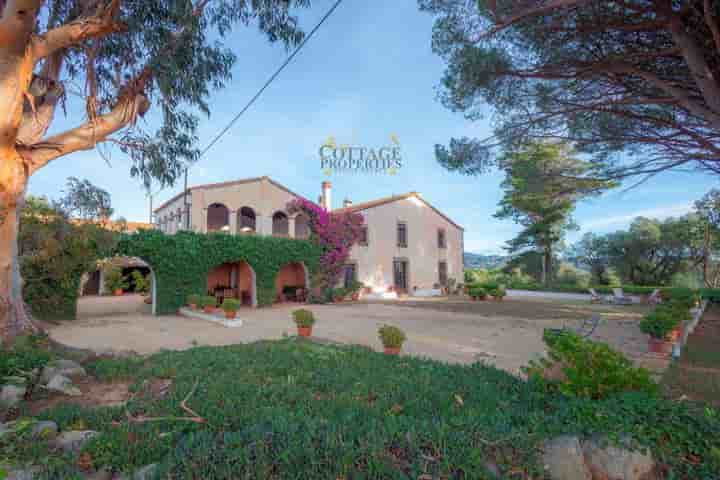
(392, 350)
(118, 292)
(209, 309)
(356, 296)
(230, 315)
(674, 336)
(660, 347)
(193, 306)
(304, 331)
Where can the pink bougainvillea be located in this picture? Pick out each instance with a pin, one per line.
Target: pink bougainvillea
(336, 233)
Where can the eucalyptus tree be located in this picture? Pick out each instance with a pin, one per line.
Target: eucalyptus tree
(112, 60)
(634, 83)
(86, 201)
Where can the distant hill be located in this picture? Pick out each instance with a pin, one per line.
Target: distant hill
(478, 260)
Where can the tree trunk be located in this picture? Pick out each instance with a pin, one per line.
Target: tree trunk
(13, 314)
(547, 266)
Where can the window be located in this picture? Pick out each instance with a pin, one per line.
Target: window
(402, 235)
(280, 225)
(247, 222)
(442, 273)
(179, 219)
(442, 241)
(363, 237)
(350, 274)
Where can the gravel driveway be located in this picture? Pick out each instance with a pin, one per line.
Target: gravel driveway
(508, 338)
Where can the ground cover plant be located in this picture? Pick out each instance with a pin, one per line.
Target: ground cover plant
(297, 409)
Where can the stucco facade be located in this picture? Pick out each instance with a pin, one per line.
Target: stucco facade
(376, 261)
(410, 245)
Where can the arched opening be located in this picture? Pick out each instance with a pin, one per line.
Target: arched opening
(247, 221)
(280, 226)
(117, 286)
(291, 283)
(233, 280)
(302, 227)
(218, 218)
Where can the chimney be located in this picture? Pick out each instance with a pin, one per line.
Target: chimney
(347, 203)
(326, 198)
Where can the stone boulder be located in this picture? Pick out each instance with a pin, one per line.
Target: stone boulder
(612, 462)
(563, 459)
(67, 368)
(44, 429)
(62, 384)
(74, 440)
(11, 395)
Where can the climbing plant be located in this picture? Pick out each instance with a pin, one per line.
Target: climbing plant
(181, 262)
(335, 233)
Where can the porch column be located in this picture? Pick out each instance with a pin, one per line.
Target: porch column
(233, 222)
(264, 224)
(291, 227)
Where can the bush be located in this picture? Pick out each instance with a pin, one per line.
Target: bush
(208, 301)
(579, 367)
(115, 280)
(303, 318)
(230, 305)
(26, 354)
(476, 291)
(498, 292)
(142, 282)
(391, 337)
(193, 300)
(659, 323)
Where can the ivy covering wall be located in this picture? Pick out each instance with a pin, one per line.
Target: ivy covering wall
(182, 262)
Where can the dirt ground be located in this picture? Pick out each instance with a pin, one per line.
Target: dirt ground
(506, 334)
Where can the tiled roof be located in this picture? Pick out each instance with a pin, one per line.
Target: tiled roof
(228, 184)
(394, 198)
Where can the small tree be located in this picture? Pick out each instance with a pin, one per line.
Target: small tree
(592, 251)
(86, 201)
(543, 181)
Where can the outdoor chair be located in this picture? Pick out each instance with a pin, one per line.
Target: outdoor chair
(585, 330)
(654, 297)
(594, 297)
(619, 298)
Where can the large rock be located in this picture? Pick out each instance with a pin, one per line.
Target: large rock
(44, 429)
(563, 459)
(74, 440)
(67, 368)
(10, 395)
(62, 384)
(611, 462)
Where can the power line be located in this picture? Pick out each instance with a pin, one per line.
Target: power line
(267, 84)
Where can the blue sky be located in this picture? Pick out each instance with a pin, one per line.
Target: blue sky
(367, 74)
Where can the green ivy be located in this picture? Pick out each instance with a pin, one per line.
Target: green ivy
(182, 262)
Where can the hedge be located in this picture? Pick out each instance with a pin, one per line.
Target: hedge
(182, 262)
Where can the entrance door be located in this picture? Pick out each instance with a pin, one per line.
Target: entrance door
(400, 273)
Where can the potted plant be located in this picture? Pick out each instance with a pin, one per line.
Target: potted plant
(498, 293)
(115, 281)
(354, 290)
(477, 292)
(209, 303)
(230, 306)
(304, 319)
(662, 324)
(392, 339)
(193, 301)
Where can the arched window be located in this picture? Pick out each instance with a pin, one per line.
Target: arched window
(247, 222)
(280, 226)
(218, 218)
(302, 226)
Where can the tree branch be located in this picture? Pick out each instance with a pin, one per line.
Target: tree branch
(712, 24)
(87, 136)
(46, 88)
(17, 21)
(77, 31)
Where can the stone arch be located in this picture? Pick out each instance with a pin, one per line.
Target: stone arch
(218, 218)
(292, 275)
(236, 279)
(302, 226)
(246, 220)
(280, 224)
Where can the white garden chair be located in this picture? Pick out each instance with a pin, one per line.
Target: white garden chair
(619, 298)
(594, 297)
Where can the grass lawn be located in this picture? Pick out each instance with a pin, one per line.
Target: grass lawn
(297, 409)
(697, 374)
